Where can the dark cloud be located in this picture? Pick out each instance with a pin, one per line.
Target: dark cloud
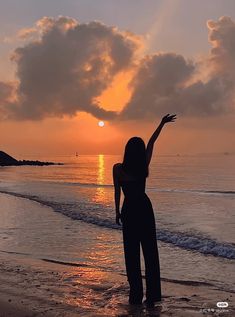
(68, 67)
(6, 95)
(169, 83)
(222, 38)
(5, 92)
(157, 83)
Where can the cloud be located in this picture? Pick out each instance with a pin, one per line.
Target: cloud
(159, 78)
(6, 97)
(64, 67)
(5, 91)
(68, 67)
(222, 39)
(169, 83)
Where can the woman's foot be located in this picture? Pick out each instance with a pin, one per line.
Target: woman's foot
(151, 302)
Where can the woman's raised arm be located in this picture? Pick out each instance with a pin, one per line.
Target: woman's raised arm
(150, 145)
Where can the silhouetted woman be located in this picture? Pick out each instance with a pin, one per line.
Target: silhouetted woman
(137, 217)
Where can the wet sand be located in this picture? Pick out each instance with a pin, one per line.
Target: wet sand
(40, 288)
(32, 286)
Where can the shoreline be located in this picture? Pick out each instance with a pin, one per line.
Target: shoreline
(33, 287)
(43, 282)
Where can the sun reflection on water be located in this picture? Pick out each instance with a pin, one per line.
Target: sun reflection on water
(101, 168)
(99, 196)
(94, 282)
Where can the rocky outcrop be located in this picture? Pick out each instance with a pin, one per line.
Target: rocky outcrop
(7, 160)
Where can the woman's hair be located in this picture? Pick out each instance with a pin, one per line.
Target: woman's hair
(134, 161)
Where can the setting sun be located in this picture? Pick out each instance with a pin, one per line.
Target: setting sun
(101, 124)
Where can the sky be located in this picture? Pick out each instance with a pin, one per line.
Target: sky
(66, 65)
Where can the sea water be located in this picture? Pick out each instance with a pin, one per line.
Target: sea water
(193, 199)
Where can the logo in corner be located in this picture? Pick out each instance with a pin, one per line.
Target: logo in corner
(222, 304)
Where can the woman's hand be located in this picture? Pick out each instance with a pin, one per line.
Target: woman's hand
(118, 218)
(168, 118)
(155, 135)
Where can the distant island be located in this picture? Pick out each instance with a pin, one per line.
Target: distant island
(7, 160)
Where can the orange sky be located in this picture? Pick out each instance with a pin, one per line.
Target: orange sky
(82, 134)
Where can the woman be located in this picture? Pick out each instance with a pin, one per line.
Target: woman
(137, 217)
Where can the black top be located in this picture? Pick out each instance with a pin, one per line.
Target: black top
(133, 189)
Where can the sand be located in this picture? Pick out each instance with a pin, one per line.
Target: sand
(33, 287)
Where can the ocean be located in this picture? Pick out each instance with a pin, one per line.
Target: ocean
(193, 199)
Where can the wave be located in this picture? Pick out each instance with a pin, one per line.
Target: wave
(123, 273)
(80, 184)
(198, 243)
(14, 252)
(68, 263)
(194, 191)
(88, 214)
(109, 269)
(227, 192)
(164, 190)
(197, 283)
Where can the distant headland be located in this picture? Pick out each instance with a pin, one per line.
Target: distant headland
(7, 160)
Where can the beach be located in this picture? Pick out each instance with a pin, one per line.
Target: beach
(61, 253)
(33, 285)
(36, 288)
(117, 178)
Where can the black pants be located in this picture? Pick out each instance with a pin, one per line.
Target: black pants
(138, 232)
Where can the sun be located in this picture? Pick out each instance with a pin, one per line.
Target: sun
(101, 124)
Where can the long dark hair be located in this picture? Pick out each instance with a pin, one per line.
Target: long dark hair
(134, 161)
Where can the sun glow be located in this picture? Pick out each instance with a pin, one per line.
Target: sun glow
(101, 124)
(117, 95)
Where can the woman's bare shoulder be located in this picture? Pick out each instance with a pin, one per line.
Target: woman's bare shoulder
(117, 167)
(120, 173)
